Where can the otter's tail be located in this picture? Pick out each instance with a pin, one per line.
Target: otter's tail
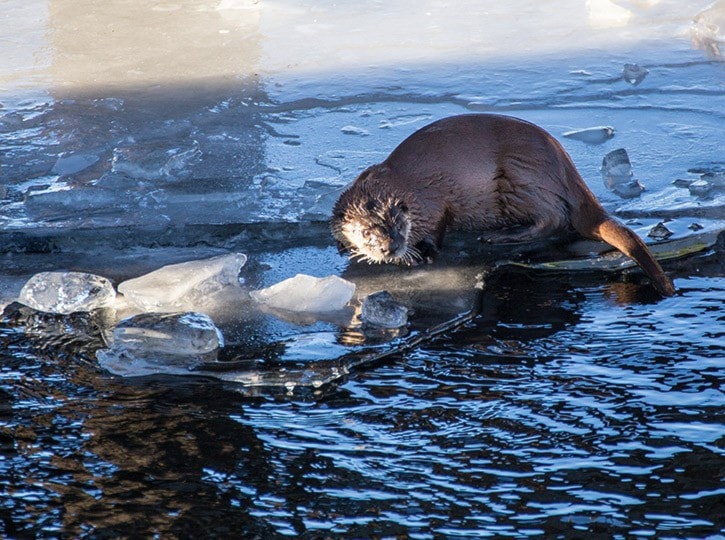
(632, 246)
(591, 221)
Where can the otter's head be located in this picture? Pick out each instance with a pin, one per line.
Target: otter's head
(374, 229)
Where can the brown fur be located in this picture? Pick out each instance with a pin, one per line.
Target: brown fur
(503, 177)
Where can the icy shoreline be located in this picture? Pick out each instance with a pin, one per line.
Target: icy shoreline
(170, 155)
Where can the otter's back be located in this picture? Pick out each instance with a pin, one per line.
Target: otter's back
(492, 171)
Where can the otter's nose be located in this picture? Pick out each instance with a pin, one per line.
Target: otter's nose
(391, 247)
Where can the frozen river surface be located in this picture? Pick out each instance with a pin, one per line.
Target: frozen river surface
(563, 404)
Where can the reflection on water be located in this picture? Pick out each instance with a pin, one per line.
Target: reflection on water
(555, 411)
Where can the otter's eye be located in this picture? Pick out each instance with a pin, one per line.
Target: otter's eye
(366, 233)
(403, 207)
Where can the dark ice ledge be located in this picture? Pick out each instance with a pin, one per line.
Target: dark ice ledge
(261, 236)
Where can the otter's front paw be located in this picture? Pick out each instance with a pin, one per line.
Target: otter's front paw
(427, 251)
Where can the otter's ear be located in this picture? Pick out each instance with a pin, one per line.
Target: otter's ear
(403, 207)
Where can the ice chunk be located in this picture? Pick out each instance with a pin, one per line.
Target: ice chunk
(629, 191)
(307, 293)
(682, 182)
(172, 333)
(354, 130)
(616, 168)
(708, 30)
(171, 343)
(67, 292)
(715, 179)
(617, 174)
(634, 74)
(182, 286)
(710, 182)
(592, 135)
(605, 14)
(700, 188)
(381, 309)
(404, 120)
(660, 232)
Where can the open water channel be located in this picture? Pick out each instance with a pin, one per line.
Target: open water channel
(564, 401)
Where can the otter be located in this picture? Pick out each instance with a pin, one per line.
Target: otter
(505, 178)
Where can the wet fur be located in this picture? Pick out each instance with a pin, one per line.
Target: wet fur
(505, 178)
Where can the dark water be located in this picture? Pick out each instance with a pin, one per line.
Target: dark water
(572, 410)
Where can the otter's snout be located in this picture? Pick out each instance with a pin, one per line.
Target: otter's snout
(391, 247)
(394, 241)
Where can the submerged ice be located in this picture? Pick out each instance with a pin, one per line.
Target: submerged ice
(170, 333)
(154, 162)
(170, 343)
